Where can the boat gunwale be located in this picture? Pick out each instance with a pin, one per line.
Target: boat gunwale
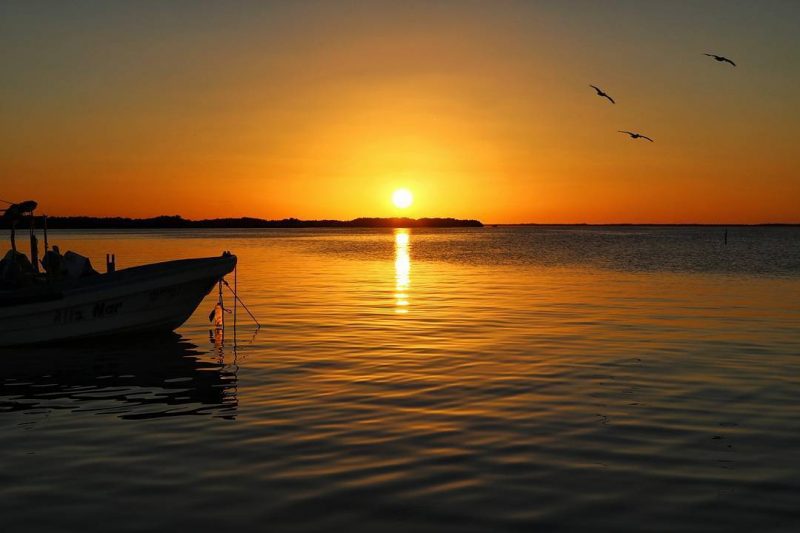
(153, 274)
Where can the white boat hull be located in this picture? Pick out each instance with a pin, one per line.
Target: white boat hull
(154, 297)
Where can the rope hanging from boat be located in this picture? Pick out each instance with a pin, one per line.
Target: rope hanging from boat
(236, 296)
(235, 289)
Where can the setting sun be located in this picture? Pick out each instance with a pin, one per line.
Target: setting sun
(402, 198)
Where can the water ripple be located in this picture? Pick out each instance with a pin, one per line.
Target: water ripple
(504, 379)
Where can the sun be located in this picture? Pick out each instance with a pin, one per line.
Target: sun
(402, 198)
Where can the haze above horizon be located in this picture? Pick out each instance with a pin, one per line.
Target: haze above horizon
(320, 110)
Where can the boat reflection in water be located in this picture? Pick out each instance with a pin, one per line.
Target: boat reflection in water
(402, 270)
(131, 379)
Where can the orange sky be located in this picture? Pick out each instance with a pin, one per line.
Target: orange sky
(483, 110)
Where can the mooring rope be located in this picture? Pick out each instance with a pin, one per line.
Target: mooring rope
(241, 302)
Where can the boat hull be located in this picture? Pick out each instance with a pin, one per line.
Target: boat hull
(158, 297)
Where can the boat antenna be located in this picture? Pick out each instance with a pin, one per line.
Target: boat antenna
(6, 202)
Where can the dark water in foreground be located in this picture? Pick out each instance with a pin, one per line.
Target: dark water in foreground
(497, 379)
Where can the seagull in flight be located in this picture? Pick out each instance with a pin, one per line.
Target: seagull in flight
(720, 58)
(636, 135)
(601, 93)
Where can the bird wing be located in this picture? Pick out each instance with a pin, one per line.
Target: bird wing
(628, 132)
(596, 88)
(710, 55)
(729, 61)
(646, 137)
(612, 100)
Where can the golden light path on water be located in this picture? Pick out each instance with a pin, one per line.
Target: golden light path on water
(402, 270)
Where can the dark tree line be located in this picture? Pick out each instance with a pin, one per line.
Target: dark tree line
(175, 221)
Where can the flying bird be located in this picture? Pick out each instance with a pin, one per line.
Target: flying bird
(636, 135)
(601, 93)
(720, 58)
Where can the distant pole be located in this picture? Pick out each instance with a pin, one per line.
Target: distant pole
(726, 236)
(46, 244)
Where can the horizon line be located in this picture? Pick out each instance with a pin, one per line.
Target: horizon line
(294, 218)
(642, 223)
(416, 219)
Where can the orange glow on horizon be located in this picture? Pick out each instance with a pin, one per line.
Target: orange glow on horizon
(483, 113)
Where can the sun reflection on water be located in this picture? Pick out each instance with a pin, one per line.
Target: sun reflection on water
(402, 270)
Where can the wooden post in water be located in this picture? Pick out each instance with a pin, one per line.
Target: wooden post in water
(726, 236)
(46, 244)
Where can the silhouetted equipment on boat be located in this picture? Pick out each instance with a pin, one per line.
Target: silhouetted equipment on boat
(15, 266)
(236, 297)
(217, 314)
(71, 300)
(14, 213)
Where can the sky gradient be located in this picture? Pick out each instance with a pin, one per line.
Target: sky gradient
(482, 109)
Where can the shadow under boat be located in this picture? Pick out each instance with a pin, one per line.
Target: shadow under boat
(133, 379)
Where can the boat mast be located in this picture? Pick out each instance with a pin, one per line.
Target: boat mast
(34, 244)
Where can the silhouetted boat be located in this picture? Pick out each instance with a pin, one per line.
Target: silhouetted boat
(156, 297)
(70, 300)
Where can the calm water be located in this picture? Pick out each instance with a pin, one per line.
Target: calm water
(581, 379)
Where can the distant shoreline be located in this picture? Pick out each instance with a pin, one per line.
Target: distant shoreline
(650, 224)
(177, 222)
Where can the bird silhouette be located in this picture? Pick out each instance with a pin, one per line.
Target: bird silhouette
(636, 135)
(720, 58)
(601, 93)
